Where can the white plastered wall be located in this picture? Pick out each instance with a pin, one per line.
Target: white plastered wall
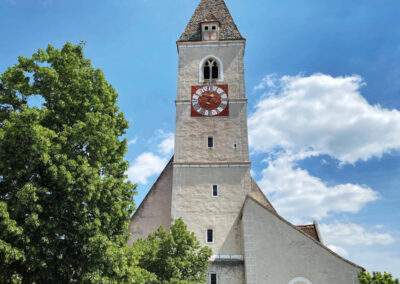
(193, 201)
(275, 252)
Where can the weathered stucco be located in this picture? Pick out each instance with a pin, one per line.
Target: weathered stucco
(228, 272)
(192, 132)
(197, 167)
(231, 54)
(276, 252)
(155, 209)
(193, 201)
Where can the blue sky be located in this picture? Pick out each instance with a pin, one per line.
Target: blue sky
(338, 158)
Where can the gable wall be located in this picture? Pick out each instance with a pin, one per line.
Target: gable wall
(155, 210)
(276, 253)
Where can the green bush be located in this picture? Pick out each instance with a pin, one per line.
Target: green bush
(175, 256)
(377, 278)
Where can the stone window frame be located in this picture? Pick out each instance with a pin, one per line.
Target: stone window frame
(209, 276)
(220, 68)
(305, 280)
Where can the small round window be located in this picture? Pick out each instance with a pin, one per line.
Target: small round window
(300, 280)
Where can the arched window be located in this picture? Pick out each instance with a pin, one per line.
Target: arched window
(211, 69)
(300, 280)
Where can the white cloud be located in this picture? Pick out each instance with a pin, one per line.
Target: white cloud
(300, 117)
(268, 81)
(339, 250)
(165, 141)
(299, 197)
(149, 164)
(133, 141)
(350, 240)
(324, 113)
(166, 147)
(353, 234)
(145, 166)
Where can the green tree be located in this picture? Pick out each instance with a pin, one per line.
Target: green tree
(65, 203)
(377, 278)
(175, 256)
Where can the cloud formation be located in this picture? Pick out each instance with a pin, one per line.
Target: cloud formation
(300, 197)
(302, 116)
(145, 166)
(133, 141)
(353, 234)
(166, 147)
(324, 113)
(149, 164)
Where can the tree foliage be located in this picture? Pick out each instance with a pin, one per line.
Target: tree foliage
(65, 203)
(175, 257)
(377, 278)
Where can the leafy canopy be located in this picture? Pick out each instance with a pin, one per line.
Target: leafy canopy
(175, 256)
(377, 278)
(65, 203)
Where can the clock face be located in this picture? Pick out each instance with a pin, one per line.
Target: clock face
(210, 100)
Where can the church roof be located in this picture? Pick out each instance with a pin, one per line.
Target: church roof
(211, 11)
(311, 230)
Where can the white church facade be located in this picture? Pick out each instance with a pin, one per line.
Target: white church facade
(208, 181)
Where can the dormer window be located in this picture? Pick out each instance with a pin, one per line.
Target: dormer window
(210, 31)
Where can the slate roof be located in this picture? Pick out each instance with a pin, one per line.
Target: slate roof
(211, 11)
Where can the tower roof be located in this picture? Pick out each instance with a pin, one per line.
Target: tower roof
(211, 11)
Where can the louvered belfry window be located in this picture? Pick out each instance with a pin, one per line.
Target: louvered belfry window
(211, 70)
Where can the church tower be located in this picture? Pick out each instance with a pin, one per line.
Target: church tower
(211, 164)
(208, 183)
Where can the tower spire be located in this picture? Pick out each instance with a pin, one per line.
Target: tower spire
(211, 11)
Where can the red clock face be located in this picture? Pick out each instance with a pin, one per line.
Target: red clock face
(210, 100)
